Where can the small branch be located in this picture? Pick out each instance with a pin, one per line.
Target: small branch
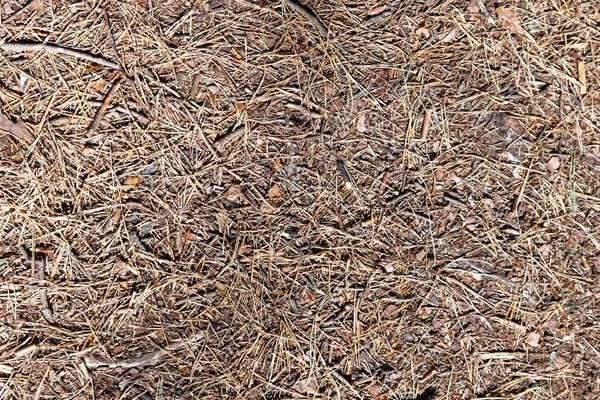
(308, 14)
(141, 360)
(40, 267)
(514, 211)
(426, 124)
(344, 173)
(102, 110)
(303, 110)
(112, 42)
(224, 140)
(378, 17)
(56, 49)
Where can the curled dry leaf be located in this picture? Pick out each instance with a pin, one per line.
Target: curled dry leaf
(532, 339)
(450, 36)
(274, 191)
(16, 129)
(131, 181)
(553, 164)
(374, 390)
(510, 20)
(306, 386)
(234, 193)
(360, 124)
(423, 32)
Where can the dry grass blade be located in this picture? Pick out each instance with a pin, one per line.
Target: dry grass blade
(348, 199)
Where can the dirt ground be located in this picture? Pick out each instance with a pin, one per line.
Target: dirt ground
(325, 199)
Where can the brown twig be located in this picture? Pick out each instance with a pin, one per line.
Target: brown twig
(224, 140)
(303, 110)
(40, 270)
(102, 109)
(378, 17)
(308, 14)
(56, 49)
(112, 43)
(344, 173)
(426, 124)
(142, 360)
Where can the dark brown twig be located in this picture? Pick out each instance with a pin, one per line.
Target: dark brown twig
(228, 138)
(112, 42)
(308, 14)
(344, 173)
(40, 270)
(102, 110)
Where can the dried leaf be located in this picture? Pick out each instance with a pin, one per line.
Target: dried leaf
(36, 5)
(449, 37)
(306, 386)
(274, 191)
(234, 193)
(149, 170)
(131, 181)
(388, 268)
(553, 164)
(433, 146)
(510, 20)
(221, 289)
(99, 85)
(532, 339)
(360, 124)
(423, 32)
(377, 10)
(578, 46)
(374, 390)
(17, 129)
(560, 362)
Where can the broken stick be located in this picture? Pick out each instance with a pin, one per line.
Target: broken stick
(56, 49)
(142, 360)
(40, 271)
(308, 14)
(102, 110)
(224, 140)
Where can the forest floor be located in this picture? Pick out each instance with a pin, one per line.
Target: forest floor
(242, 199)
